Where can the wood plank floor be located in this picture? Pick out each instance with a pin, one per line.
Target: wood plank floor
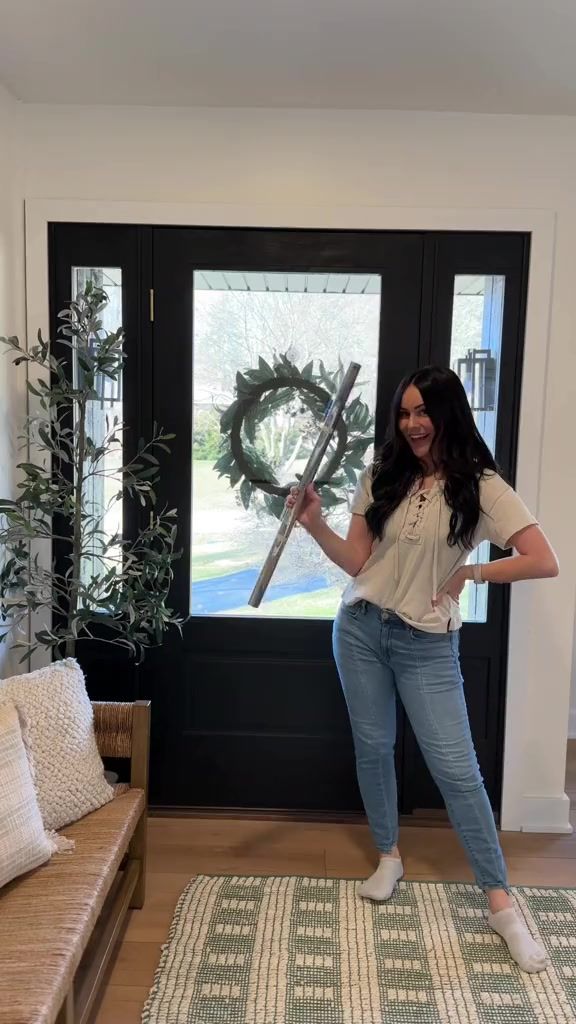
(180, 848)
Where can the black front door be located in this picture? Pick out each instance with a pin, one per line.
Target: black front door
(256, 717)
(247, 709)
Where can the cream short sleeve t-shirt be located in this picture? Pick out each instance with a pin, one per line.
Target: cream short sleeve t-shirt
(413, 560)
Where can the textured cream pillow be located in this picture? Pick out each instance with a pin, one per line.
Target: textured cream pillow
(59, 735)
(23, 842)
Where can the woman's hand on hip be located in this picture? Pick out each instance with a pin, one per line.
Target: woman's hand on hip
(453, 588)
(310, 511)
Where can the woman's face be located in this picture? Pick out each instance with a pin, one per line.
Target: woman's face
(415, 425)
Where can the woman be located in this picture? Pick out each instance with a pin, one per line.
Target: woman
(432, 496)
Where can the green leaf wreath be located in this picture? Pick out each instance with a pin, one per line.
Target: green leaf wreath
(251, 456)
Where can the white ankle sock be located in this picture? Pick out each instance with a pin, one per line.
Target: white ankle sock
(382, 883)
(524, 950)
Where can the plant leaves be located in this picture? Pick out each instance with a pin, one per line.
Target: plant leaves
(243, 387)
(235, 475)
(246, 490)
(228, 415)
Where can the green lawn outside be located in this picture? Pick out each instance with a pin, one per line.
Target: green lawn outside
(320, 604)
(208, 490)
(214, 555)
(210, 565)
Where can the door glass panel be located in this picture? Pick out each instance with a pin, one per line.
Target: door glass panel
(475, 355)
(238, 319)
(102, 485)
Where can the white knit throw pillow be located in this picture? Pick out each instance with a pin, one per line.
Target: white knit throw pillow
(23, 843)
(58, 731)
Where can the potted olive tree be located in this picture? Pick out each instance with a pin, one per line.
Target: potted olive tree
(63, 566)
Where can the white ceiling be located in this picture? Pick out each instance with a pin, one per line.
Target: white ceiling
(500, 56)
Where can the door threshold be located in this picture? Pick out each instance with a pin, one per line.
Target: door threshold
(422, 818)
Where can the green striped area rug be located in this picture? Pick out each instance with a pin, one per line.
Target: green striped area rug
(247, 950)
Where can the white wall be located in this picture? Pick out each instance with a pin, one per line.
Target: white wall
(316, 157)
(12, 399)
(359, 159)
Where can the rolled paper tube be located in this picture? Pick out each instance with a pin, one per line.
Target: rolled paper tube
(290, 515)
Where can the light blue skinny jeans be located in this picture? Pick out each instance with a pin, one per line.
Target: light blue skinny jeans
(379, 656)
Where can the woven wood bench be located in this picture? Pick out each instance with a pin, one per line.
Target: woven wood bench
(59, 924)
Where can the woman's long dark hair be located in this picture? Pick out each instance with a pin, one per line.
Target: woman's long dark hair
(462, 456)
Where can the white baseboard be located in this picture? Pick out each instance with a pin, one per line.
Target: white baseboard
(550, 814)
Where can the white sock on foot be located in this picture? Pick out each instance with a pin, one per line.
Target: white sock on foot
(524, 950)
(382, 883)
